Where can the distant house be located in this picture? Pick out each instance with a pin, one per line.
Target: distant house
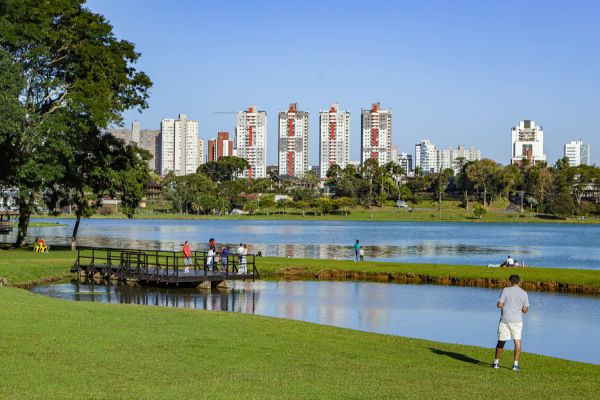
(153, 189)
(281, 180)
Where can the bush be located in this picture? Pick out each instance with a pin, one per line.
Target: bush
(479, 211)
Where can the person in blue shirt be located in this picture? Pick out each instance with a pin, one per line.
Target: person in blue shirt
(356, 250)
(224, 258)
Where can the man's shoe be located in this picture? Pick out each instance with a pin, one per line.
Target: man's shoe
(516, 368)
(495, 366)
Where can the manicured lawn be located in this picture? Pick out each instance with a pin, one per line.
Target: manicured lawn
(57, 349)
(273, 265)
(23, 266)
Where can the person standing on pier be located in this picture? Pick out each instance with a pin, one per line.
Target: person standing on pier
(513, 302)
(224, 258)
(187, 256)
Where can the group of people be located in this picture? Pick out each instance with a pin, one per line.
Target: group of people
(512, 263)
(40, 246)
(359, 252)
(214, 257)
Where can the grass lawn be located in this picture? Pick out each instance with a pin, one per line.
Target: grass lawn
(57, 349)
(22, 267)
(564, 276)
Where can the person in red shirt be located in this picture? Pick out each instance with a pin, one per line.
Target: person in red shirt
(187, 256)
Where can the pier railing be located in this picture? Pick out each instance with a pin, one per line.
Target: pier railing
(164, 266)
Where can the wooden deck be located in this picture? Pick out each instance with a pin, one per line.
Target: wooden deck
(160, 267)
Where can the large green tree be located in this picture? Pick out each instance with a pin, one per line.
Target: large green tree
(72, 66)
(224, 169)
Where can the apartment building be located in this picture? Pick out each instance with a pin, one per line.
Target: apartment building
(293, 142)
(334, 133)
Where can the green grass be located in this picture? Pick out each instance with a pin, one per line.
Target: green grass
(40, 224)
(591, 278)
(22, 267)
(58, 349)
(425, 211)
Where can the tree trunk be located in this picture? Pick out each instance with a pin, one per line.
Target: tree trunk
(74, 235)
(25, 205)
(467, 200)
(485, 197)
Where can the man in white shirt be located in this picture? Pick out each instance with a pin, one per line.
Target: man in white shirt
(513, 303)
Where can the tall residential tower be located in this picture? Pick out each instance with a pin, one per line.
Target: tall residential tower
(293, 142)
(251, 135)
(527, 143)
(219, 147)
(334, 130)
(179, 146)
(578, 153)
(376, 134)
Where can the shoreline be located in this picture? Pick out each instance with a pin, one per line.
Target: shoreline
(493, 217)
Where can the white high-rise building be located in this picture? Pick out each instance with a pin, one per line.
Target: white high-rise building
(406, 161)
(135, 132)
(426, 157)
(201, 151)
(527, 143)
(334, 132)
(449, 157)
(376, 134)
(293, 142)
(578, 153)
(251, 139)
(179, 146)
(394, 154)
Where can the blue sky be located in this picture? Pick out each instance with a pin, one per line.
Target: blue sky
(452, 71)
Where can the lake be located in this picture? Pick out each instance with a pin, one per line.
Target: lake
(558, 325)
(548, 245)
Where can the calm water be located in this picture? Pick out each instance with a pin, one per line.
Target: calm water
(557, 325)
(551, 245)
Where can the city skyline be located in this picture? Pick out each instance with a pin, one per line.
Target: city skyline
(444, 79)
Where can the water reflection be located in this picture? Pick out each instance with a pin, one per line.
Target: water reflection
(447, 314)
(548, 245)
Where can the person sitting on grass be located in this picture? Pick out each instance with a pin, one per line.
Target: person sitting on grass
(40, 245)
(509, 262)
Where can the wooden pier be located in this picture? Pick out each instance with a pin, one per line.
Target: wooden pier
(163, 268)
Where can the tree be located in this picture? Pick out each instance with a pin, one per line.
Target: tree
(224, 169)
(561, 204)
(482, 173)
(72, 66)
(131, 175)
(251, 206)
(303, 206)
(204, 203)
(182, 191)
(345, 203)
(369, 171)
(462, 181)
(583, 176)
(439, 185)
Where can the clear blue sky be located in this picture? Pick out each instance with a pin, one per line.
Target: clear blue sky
(452, 71)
